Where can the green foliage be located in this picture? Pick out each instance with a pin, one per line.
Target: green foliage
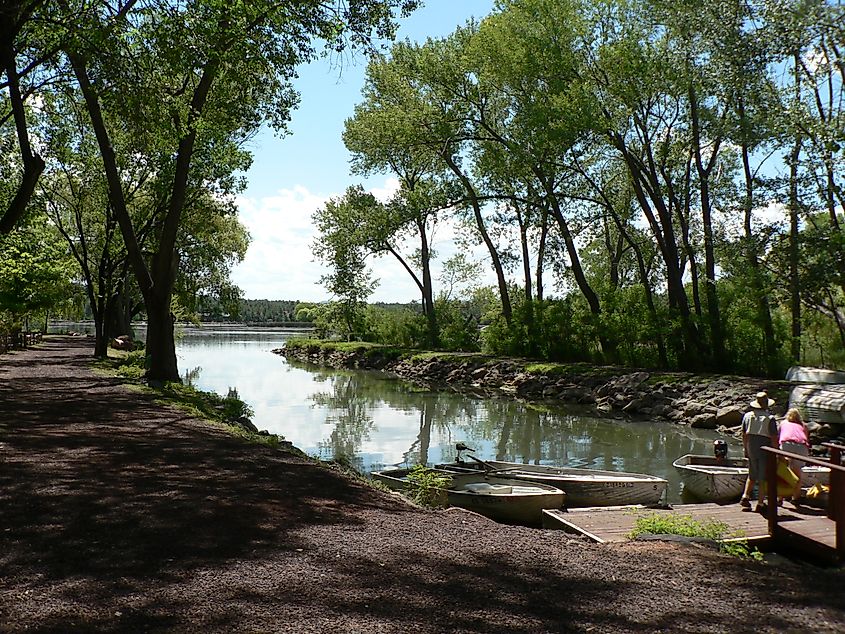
(403, 327)
(687, 526)
(36, 273)
(131, 365)
(458, 324)
(426, 486)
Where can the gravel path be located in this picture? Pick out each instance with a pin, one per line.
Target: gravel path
(118, 515)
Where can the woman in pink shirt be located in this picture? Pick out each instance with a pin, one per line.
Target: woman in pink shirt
(792, 437)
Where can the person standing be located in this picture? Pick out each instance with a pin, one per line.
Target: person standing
(793, 438)
(759, 429)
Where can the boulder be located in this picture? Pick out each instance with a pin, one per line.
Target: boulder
(703, 421)
(245, 423)
(729, 416)
(123, 342)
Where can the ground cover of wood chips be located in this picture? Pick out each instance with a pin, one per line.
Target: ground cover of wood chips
(119, 515)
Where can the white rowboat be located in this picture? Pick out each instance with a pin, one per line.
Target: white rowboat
(500, 499)
(583, 487)
(708, 480)
(705, 478)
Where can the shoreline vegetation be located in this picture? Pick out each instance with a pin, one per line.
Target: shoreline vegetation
(702, 401)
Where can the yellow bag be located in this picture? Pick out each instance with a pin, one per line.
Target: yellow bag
(787, 479)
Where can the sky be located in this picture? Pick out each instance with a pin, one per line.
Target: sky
(293, 176)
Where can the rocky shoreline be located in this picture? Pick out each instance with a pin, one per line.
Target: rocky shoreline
(715, 402)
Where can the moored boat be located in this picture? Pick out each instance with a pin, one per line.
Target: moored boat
(583, 487)
(712, 479)
(501, 499)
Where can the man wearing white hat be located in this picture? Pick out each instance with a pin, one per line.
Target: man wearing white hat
(759, 429)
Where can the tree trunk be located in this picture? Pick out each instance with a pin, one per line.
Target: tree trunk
(427, 288)
(33, 164)
(761, 300)
(161, 344)
(541, 251)
(794, 254)
(647, 191)
(504, 294)
(717, 338)
(608, 345)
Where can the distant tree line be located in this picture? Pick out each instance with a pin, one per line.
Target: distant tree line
(272, 311)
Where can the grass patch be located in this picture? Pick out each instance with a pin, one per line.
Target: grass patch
(548, 369)
(687, 526)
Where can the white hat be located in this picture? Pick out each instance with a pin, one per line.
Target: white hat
(762, 401)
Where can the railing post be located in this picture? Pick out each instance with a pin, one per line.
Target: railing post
(772, 491)
(835, 501)
(832, 502)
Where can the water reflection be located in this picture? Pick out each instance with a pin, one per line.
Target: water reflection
(375, 422)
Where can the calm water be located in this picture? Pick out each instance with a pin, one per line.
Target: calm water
(380, 422)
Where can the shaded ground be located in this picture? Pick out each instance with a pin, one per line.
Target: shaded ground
(117, 515)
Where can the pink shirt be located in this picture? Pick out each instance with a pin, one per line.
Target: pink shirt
(793, 432)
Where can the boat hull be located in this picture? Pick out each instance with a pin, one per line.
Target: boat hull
(583, 487)
(706, 480)
(501, 499)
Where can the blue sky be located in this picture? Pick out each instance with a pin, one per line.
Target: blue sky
(293, 176)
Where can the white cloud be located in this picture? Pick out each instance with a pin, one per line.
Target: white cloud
(279, 263)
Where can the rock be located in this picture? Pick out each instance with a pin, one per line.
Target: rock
(633, 406)
(692, 409)
(729, 416)
(703, 421)
(246, 424)
(123, 342)
(604, 406)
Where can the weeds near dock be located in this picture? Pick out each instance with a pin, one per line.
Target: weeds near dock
(733, 544)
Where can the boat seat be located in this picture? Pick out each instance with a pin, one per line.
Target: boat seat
(485, 487)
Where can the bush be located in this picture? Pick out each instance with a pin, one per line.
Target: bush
(399, 327)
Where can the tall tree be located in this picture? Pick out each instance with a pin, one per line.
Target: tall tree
(189, 79)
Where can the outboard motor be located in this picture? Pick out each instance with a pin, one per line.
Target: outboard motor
(461, 447)
(720, 449)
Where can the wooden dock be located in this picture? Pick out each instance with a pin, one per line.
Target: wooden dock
(805, 530)
(811, 532)
(614, 524)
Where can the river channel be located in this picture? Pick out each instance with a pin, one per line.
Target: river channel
(378, 422)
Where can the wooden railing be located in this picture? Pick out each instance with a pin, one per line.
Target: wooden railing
(836, 495)
(18, 340)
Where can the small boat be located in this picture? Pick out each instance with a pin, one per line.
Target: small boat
(501, 499)
(583, 487)
(712, 479)
(819, 376)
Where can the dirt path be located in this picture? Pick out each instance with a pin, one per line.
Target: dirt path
(119, 516)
